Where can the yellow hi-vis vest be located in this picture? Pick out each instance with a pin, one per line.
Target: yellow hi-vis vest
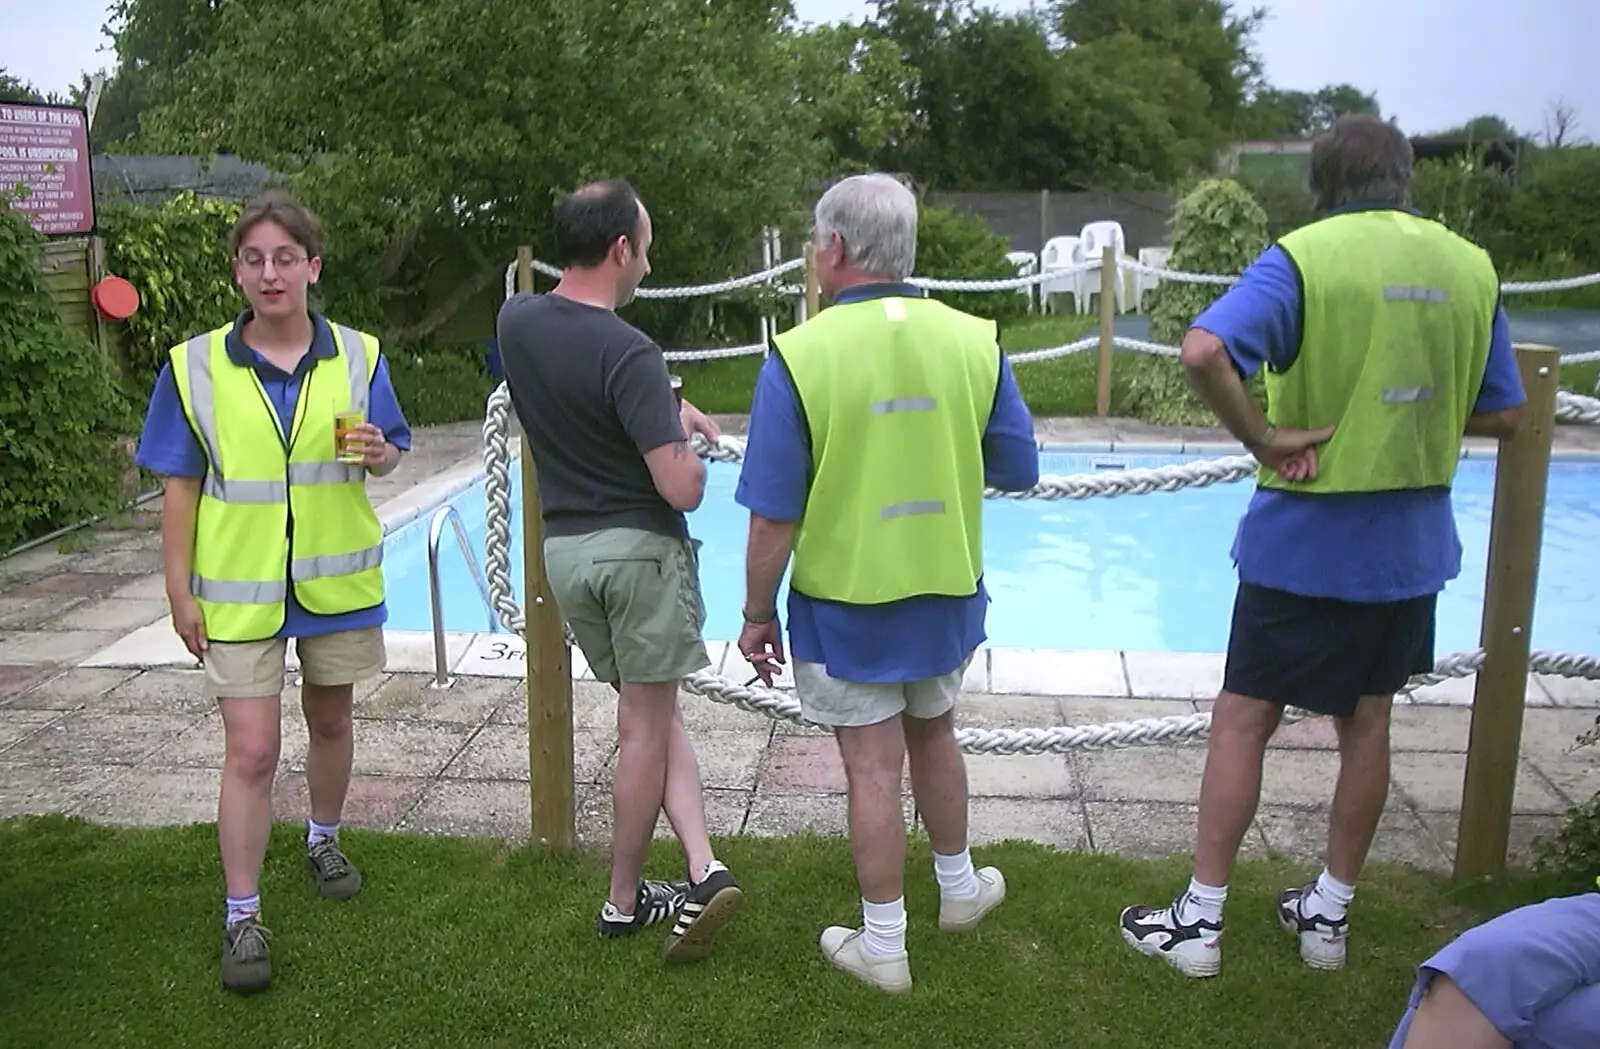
(263, 486)
(1397, 317)
(896, 393)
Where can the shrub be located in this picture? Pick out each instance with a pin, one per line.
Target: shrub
(443, 384)
(957, 246)
(177, 256)
(1574, 854)
(62, 411)
(1217, 228)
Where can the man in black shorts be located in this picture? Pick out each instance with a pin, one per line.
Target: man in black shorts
(1384, 342)
(616, 475)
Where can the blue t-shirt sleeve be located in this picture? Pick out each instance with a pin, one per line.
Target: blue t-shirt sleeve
(776, 474)
(1518, 967)
(1258, 319)
(1010, 452)
(383, 408)
(1502, 382)
(168, 445)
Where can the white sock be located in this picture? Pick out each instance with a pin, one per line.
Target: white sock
(957, 880)
(1329, 899)
(316, 832)
(242, 907)
(610, 913)
(1202, 902)
(710, 869)
(885, 925)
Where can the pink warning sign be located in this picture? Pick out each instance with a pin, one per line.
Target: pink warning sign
(44, 167)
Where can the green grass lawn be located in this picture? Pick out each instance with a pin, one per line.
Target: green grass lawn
(110, 937)
(1061, 387)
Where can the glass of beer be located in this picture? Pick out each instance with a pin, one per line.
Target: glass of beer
(343, 423)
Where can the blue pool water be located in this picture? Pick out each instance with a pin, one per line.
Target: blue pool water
(1136, 572)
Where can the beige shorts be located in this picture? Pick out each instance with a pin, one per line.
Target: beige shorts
(240, 669)
(854, 704)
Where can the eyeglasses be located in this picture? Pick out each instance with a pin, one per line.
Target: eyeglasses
(283, 259)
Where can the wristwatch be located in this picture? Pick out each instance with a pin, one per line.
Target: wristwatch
(1266, 438)
(760, 620)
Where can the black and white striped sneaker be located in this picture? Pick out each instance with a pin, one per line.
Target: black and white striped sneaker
(707, 908)
(1194, 949)
(1322, 940)
(658, 901)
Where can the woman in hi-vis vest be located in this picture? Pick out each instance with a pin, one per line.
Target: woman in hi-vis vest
(265, 430)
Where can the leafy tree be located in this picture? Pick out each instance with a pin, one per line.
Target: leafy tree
(853, 81)
(434, 138)
(15, 90)
(1207, 36)
(1278, 114)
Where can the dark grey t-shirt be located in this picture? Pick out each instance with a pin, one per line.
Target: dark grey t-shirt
(593, 395)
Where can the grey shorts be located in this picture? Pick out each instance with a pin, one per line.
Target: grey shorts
(853, 704)
(632, 599)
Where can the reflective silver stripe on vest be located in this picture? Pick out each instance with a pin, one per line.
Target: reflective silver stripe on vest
(1408, 395)
(237, 592)
(324, 565)
(355, 355)
(903, 404)
(255, 492)
(926, 506)
(1402, 293)
(326, 473)
(201, 397)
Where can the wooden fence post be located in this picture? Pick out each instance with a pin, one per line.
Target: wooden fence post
(1110, 274)
(1516, 530)
(549, 664)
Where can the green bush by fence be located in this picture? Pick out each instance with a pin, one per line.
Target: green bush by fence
(177, 256)
(961, 247)
(62, 411)
(1217, 228)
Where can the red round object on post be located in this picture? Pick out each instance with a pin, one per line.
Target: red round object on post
(115, 298)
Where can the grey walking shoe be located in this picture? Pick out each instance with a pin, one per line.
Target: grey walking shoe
(337, 878)
(245, 965)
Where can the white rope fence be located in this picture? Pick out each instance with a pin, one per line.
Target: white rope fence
(1027, 281)
(1181, 728)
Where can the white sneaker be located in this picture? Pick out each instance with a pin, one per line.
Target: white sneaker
(963, 914)
(1194, 949)
(845, 949)
(1322, 940)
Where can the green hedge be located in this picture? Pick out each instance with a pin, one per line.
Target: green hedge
(442, 384)
(177, 256)
(958, 246)
(62, 410)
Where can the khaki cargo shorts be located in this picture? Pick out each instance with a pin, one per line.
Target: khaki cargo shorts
(240, 669)
(632, 599)
(853, 704)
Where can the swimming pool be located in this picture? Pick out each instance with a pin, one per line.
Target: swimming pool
(1144, 573)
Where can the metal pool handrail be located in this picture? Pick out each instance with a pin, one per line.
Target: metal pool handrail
(447, 512)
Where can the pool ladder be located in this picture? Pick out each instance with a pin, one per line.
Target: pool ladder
(441, 661)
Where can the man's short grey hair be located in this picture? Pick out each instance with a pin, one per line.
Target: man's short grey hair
(877, 217)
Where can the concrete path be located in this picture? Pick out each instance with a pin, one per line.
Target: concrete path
(137, 744)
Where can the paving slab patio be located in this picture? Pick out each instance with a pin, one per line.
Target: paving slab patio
(101, 715)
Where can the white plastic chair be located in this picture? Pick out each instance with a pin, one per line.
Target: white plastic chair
(1026, 263)
(1156, 258)
(1097, 238)
(1058, 254)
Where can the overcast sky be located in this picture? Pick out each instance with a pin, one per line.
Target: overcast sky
(1432, 63)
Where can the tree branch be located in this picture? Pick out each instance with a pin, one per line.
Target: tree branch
(458, 297)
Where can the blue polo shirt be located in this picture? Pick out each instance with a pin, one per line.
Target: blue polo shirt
(170, 447)
(1351, 546)
(909, 640)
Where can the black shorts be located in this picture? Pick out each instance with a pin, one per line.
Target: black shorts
(1322, 654)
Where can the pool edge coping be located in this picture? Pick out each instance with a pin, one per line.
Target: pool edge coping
(1085, 674)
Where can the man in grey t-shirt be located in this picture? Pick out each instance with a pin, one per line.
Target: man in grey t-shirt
(616, 475)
